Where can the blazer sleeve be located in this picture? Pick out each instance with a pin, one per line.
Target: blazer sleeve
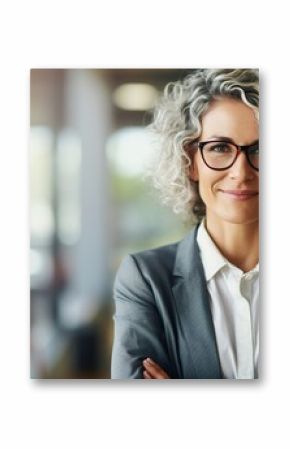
(138, 327)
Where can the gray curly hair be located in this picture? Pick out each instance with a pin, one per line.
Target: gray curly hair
(177, 121)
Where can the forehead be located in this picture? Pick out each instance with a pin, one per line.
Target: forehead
(231, 118)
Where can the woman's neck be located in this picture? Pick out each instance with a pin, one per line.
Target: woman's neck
(239, 243)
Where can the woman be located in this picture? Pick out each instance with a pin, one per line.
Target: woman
(189, 310)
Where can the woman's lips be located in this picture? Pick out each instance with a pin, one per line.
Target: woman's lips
(240, 194)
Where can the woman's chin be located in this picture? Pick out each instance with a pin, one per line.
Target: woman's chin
(236, 217)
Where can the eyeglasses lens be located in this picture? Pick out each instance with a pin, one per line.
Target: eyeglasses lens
(222, 154)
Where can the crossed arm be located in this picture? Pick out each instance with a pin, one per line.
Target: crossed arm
(139, 331)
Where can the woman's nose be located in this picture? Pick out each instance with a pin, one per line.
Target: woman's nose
(241, 168)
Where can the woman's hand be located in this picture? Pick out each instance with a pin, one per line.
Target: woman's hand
(153, 371)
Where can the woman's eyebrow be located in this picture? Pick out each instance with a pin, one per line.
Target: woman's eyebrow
(224, 138)
(228, 139)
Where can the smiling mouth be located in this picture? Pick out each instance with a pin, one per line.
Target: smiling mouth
(240, 195)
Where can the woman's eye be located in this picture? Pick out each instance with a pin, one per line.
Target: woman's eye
(220, 148)
(254, 151)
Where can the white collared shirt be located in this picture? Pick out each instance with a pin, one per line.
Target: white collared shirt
(234, 300)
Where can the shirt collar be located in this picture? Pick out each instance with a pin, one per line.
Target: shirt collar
(212, 259)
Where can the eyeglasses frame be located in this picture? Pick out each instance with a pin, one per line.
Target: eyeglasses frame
(240, 149)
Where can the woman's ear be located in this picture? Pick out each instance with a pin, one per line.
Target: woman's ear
(193, 171)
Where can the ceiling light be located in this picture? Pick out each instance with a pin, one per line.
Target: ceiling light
(135, 96)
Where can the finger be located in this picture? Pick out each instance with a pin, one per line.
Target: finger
(159, 371)
(147, 375)
(154, 369)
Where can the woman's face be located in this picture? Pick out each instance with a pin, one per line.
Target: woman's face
(230, 118)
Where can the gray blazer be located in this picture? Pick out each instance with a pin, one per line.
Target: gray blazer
(163, 312)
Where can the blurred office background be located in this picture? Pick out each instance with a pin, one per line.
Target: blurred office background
(88, 208)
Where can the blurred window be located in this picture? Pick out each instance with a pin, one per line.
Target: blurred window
(68, 166)
(41, 169)
(139, 221)
(42, 225)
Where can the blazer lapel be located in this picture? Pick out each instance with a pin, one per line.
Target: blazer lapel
(200, 360)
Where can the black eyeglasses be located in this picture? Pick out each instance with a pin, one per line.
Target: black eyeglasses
(221, 155)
